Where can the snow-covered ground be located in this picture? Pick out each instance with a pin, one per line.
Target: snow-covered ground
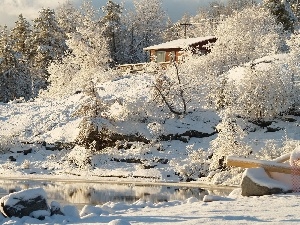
(33, 135)
(275, 209)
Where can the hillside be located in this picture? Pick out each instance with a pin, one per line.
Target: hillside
(135, 144)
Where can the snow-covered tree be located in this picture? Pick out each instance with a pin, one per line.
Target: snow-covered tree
(112, 23)
(294, 63)
(229, 141)
(246, 36)
(15, 80)
(241, 38)
(172, 31)
(88, 44)
(281, 9)
(89, 55)
(90, 110)
(207, 19)
(239, 5)
(47, 44)
(145, 26)
(20, 35)
(168, 90)
(67, 17)
(295, 6)
(204, 24)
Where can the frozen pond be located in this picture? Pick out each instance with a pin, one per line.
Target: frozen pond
(80, 194)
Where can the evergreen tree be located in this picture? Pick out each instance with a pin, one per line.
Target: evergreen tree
(67, 17)
(145, 25)
(20, 35)
(282, 11)
(295, 6)
(88, 44)
(47, 44)
(172, 31)
(112, 23)
(15, 79)
(88, 56)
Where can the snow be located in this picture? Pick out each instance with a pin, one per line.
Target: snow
(40, 214)
(180, 43)
(273, 209)
(52, 121)
(295, 157)
(237, 73)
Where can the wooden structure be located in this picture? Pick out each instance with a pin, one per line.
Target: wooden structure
(140, 67)
(172, 50)
(269, 166)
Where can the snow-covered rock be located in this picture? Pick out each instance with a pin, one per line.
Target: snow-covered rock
(25, 203)
(256, 182)
(212, 198)
(118, 222)
(55, 208)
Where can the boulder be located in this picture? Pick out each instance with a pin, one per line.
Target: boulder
(56, 208)
(256, 182)
(24, 203)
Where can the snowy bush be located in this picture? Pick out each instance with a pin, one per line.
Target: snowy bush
(229, 142)
(273, 150)
(137, 109)
(156, 129)
(135, 105)
(80, 157)
(6, 143)
(227, 177)
(66, 78)
(196, 165)
(261, 94)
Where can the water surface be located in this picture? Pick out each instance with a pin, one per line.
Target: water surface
(80, 194)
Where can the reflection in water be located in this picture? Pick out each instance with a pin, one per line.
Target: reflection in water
(99, 193)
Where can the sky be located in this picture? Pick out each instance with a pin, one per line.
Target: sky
(10, 9)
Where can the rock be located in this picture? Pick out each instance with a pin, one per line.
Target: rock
(55, 208)
(12, 159)
(256, 182)
(212, 198)
(27, 151)
(119, 222)
(273, 129)
(40, 214)
(24, 203)
(89, 209)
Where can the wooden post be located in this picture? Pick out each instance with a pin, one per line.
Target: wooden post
(185, 27)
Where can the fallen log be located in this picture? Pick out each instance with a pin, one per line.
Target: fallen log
(269, 166)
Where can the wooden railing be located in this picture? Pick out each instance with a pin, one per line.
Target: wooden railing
(140, 67)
